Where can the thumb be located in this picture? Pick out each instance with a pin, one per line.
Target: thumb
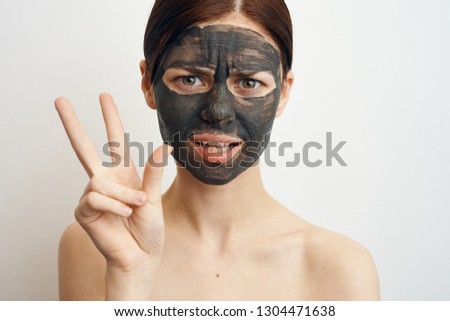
(153, 173)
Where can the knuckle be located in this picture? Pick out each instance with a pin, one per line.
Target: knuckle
(78, 216)
(96, 184)
(127, 193)
(90, 199)
(77, 212)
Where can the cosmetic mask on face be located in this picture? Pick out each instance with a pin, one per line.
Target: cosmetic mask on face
(217, 90)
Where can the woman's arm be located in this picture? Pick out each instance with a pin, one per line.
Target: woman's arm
(81, 267)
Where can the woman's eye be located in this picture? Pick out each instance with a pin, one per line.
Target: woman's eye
(249, 84)
(184, 81)
(190, 81)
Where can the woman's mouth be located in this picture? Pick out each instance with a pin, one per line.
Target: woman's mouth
(216, 148)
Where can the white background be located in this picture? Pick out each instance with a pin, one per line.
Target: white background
(374, 73)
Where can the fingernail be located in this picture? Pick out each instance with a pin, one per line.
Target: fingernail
(141, 198)
(127, 210)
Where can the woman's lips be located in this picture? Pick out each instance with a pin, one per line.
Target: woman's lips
(216, 147)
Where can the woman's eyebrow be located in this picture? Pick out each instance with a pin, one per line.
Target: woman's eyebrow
(249, 72)
(193, 69)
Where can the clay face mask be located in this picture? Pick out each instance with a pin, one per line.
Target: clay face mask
(217, 91)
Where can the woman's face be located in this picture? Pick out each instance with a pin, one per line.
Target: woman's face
(217, 91)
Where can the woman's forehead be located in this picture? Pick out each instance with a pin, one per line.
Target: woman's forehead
(232, 34)
(206, 46)
(239, 20)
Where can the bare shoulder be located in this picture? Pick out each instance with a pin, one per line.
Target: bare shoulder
(81, 266)
(343, 269)
(331, 266)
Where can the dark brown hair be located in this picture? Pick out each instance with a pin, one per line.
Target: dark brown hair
(171, 17)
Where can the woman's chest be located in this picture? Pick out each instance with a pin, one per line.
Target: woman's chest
(243, 276)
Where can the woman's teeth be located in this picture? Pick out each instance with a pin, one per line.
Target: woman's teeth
(214, 147)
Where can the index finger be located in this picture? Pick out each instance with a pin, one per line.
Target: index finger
(80, 142)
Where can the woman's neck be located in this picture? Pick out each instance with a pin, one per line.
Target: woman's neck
(217, 213)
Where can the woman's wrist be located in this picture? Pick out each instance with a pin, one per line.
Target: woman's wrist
(131, 284)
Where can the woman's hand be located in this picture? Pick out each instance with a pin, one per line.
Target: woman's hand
(122, 216)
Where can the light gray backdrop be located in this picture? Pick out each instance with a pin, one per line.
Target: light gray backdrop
(374, 73)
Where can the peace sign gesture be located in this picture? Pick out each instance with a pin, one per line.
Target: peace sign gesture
(122, 215)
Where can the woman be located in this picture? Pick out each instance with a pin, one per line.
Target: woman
(218, 73)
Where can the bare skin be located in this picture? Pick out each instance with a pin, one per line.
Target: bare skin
(197, 241)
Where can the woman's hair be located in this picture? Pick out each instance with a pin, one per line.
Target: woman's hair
(169, 18)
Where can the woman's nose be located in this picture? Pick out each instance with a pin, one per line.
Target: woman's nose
(220, 107)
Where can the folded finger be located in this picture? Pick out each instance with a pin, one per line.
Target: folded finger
(117, 191)
(94, 203)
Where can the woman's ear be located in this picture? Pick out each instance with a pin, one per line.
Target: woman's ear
(285, 92)
(146, 87)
